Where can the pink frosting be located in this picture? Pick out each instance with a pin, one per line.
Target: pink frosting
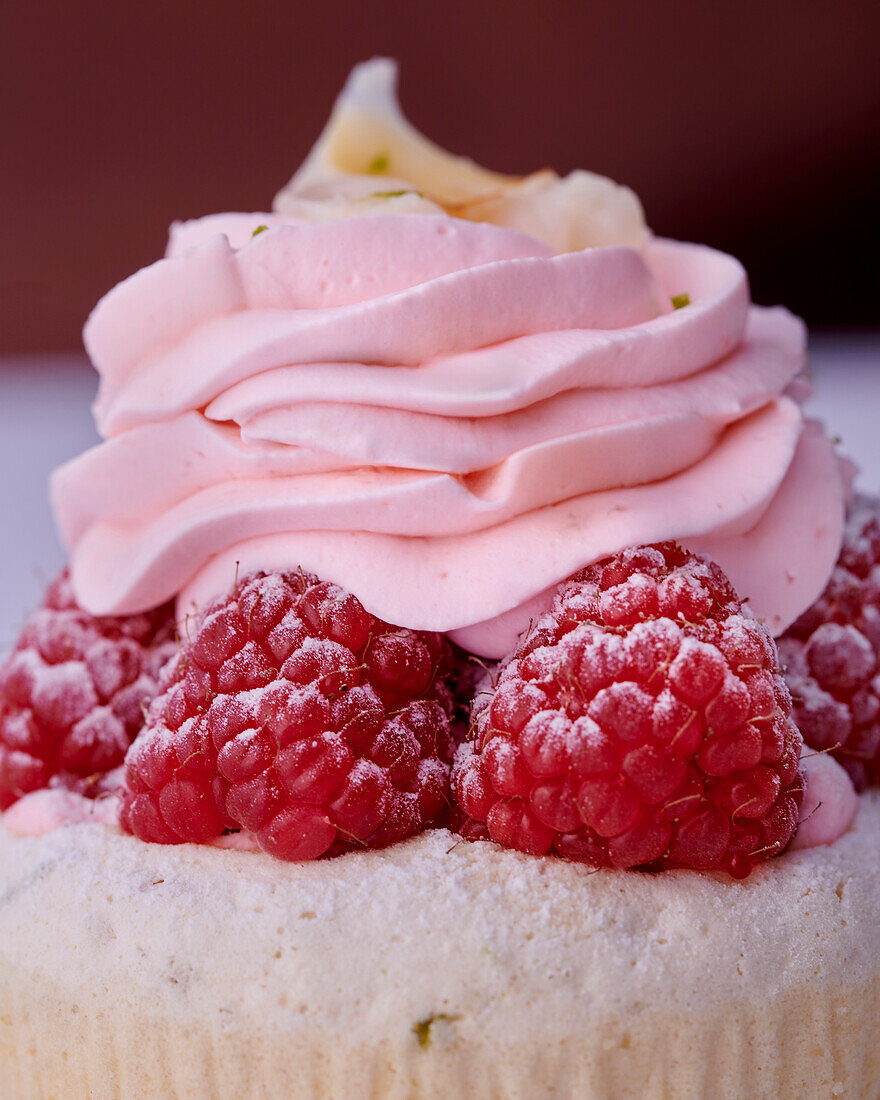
(442, 416)
(830, 802)
(43, 811)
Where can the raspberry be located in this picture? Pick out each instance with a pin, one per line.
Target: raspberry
(642, 723)
(72, 693)
(296, 715)
(832, 654)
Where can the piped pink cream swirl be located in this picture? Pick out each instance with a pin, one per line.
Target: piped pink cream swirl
(444, 417)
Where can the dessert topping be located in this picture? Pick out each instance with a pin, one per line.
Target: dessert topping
(368, 135)
(298, 716)
(643, 722)
(449, 369)
(72, 693)
(832, 654)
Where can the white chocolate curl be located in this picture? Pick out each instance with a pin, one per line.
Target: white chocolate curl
(369, 147)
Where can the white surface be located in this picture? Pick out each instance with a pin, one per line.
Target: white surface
(45, 419)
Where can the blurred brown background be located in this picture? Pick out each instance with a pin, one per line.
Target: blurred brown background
(751, 126)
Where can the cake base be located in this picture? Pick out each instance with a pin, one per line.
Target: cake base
(436, 969)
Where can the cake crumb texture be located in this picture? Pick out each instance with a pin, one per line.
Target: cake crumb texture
(435, 969)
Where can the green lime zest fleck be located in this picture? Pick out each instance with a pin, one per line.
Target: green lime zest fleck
(394, 194)
(679, 301)
(260, 229)
(378, 164)
(422, 1030)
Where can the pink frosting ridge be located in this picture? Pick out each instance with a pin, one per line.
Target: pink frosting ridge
(445, 417)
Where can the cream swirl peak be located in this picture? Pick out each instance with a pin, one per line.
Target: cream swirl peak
(444, 415)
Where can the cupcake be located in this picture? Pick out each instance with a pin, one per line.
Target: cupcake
(410, 721)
